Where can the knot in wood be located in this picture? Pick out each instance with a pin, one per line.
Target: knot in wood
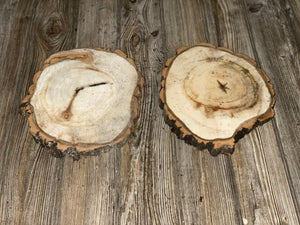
(54, 27)
(51, 30)
(155, 33)
(135, 40)
(255, 7)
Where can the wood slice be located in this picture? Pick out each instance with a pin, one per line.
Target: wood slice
(213, 96)
(83, 99)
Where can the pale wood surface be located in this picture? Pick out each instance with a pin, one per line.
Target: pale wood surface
(154, 178)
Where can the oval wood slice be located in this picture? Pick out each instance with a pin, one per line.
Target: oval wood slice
(213, 96)
(83, 99)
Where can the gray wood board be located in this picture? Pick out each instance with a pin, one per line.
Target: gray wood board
(154, 178)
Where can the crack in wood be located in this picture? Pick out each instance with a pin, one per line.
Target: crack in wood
(223, 86)
(93, 85)
(67, 114)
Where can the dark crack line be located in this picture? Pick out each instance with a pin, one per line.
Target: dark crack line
(223, 86)
(67, 113)
(91, 85)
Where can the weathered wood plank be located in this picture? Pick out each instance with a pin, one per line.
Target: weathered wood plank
(29, 183)
(277, 48)
(206, 185)
(7, 14)
(250, 165)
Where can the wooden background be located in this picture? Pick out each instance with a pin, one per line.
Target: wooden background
(154, 178)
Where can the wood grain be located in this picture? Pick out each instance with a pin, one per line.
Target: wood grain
(154, 178)
(256, 209)
(284, 70)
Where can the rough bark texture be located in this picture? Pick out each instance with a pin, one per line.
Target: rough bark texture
(83, 100)
(213, 96)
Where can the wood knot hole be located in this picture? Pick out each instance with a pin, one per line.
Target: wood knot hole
(53, 27)
(51, 30)
(155, 33)
(255, 7)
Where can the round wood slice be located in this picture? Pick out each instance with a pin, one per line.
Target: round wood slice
(83, 99)
(213, 96)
